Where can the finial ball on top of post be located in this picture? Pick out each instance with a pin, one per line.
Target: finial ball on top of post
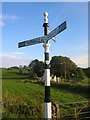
(45, 17)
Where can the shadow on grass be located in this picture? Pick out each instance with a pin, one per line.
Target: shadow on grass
(18, 78)
(73, 88)
(23, 119)
(84, 90)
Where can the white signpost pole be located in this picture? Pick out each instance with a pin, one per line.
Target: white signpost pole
(47, 100)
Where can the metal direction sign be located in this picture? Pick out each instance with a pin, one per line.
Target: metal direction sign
(31, 42)
(56, 31)
(43, 39)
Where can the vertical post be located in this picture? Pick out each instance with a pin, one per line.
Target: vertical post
(65, 71)
(75, 112)
(47, 100)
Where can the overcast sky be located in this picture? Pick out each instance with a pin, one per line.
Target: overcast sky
(24, 20)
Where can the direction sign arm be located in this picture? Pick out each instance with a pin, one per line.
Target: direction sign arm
(31, 42)
(56, 31)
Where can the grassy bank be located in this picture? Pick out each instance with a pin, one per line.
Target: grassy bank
(24, 98)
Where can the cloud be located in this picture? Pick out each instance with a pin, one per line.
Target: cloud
(8, 17)
(8, 62)
(18, 53)
(2, 24)
(12, 54)
(81, 61)
(13, 59)
(4, 18)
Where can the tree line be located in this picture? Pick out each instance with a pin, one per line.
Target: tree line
(60, 66)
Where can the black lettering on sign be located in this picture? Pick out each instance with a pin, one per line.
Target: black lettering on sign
(56, 31)
(31, 42)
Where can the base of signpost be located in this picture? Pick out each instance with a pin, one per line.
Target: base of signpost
(48, 113)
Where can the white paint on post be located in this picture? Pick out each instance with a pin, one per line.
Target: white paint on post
(47, 71)
(48, 110)
(47, 77)
(46, 47)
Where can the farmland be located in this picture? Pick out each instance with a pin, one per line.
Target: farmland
(24, 98)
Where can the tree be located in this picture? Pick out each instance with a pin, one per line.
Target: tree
(25, 67)
(87, 71)
(20, 69)
(32, 75)
(79, 74)
(37, 67)
(62, 66)
(14, 67)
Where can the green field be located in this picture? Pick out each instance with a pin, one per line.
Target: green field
(16, 92)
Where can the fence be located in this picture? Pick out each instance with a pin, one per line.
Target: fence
(75, 110)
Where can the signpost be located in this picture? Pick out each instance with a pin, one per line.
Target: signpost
(45, 39)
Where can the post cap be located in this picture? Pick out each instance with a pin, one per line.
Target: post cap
(45, 13)
(45, 17)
